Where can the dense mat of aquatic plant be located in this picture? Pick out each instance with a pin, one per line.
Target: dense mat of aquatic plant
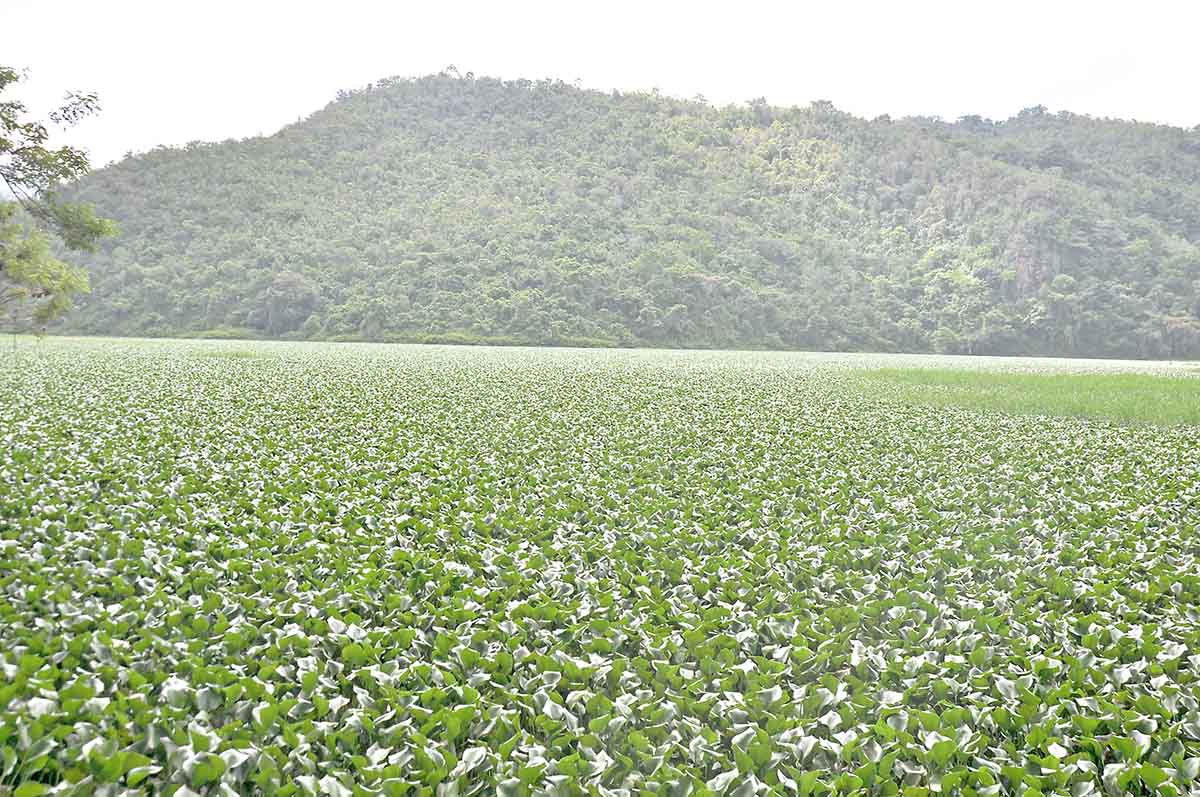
(302, 569)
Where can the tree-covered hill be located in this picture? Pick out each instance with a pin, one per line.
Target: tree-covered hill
(469, 208)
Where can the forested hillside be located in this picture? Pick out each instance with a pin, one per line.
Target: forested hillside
(454, 208)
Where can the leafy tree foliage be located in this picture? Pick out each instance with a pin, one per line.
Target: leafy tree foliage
(33, 283)
(463, 208)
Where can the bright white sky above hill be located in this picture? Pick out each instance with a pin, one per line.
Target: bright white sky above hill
(173, 72)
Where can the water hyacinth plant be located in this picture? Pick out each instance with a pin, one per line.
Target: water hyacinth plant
(321, 569)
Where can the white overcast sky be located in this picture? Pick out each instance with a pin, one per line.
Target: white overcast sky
(171, 72)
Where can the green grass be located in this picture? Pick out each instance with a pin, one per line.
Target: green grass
(1123, 397)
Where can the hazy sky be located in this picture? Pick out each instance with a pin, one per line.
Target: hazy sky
(169, 72)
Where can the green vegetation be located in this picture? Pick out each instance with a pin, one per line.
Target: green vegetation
(1124, 397)
(437, 571)
(35, 286)
(473, 209)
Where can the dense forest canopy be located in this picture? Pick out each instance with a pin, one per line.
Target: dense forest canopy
(459, 208)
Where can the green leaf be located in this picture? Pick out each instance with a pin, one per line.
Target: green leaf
(138, 774)
(1153, 776)
(205, 768)
(31, 789)
(718, 784)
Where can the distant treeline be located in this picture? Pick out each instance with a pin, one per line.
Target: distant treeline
(456, 208)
